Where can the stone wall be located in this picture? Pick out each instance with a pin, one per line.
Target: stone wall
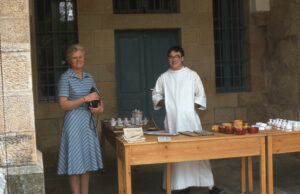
(19, 155)
(282, 55)
(272, 50)
(272, 89)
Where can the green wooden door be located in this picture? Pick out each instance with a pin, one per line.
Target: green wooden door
(140, 59)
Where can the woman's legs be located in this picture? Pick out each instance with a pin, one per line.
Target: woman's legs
(79, 183)
(74, 181)
(84, 183)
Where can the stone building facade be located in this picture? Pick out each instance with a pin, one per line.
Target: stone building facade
(272, 41)
(272, 52)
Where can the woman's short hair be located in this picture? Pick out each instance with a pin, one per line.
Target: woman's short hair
(71, 49)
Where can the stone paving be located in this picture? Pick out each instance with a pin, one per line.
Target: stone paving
(148, 179)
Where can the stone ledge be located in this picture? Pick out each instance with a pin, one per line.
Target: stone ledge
(26, 178)
(36, 168)
(14, 47)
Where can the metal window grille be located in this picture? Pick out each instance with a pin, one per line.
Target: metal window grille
(145, 6)
(229, 45)
(56, 29)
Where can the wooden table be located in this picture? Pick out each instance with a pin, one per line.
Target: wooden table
(279, 142)
(183, 148)
(108, 135)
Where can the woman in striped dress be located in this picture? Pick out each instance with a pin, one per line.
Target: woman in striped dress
(79, 150)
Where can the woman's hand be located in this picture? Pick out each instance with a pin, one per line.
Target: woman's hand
(99, 109)
(92, 96)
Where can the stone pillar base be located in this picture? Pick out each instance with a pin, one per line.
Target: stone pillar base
(26, 178)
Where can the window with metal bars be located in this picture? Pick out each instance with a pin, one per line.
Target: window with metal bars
(145, 6)
(229, 45)
(56, 29)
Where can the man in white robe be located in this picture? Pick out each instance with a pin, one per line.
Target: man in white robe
(180, 90)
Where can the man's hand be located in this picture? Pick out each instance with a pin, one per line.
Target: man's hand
(161, 103)
(197, 106)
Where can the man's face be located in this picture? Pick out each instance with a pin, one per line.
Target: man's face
(175, 60)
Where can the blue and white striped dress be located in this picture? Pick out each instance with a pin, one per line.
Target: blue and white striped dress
(79, 145)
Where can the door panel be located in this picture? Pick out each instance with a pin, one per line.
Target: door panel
(156, 62)
(129, 83)
(141, 56)
(129, 70)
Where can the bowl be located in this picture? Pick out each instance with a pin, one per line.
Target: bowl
(222, 129)
(229, 130)
(252, 129)
(240, 131)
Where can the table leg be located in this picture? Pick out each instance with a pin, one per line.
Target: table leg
(243, 175)
(120, 176)
(168, 178)
(270, 165)
(128, 178)
(250, 175)
(262, 166)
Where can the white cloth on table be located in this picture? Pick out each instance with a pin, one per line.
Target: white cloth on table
(181, 89)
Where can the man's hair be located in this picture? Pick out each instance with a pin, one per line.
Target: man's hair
(176, 49)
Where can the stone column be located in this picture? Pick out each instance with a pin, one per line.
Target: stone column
(20, 161)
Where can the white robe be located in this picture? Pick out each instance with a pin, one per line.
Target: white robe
(181, 89)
